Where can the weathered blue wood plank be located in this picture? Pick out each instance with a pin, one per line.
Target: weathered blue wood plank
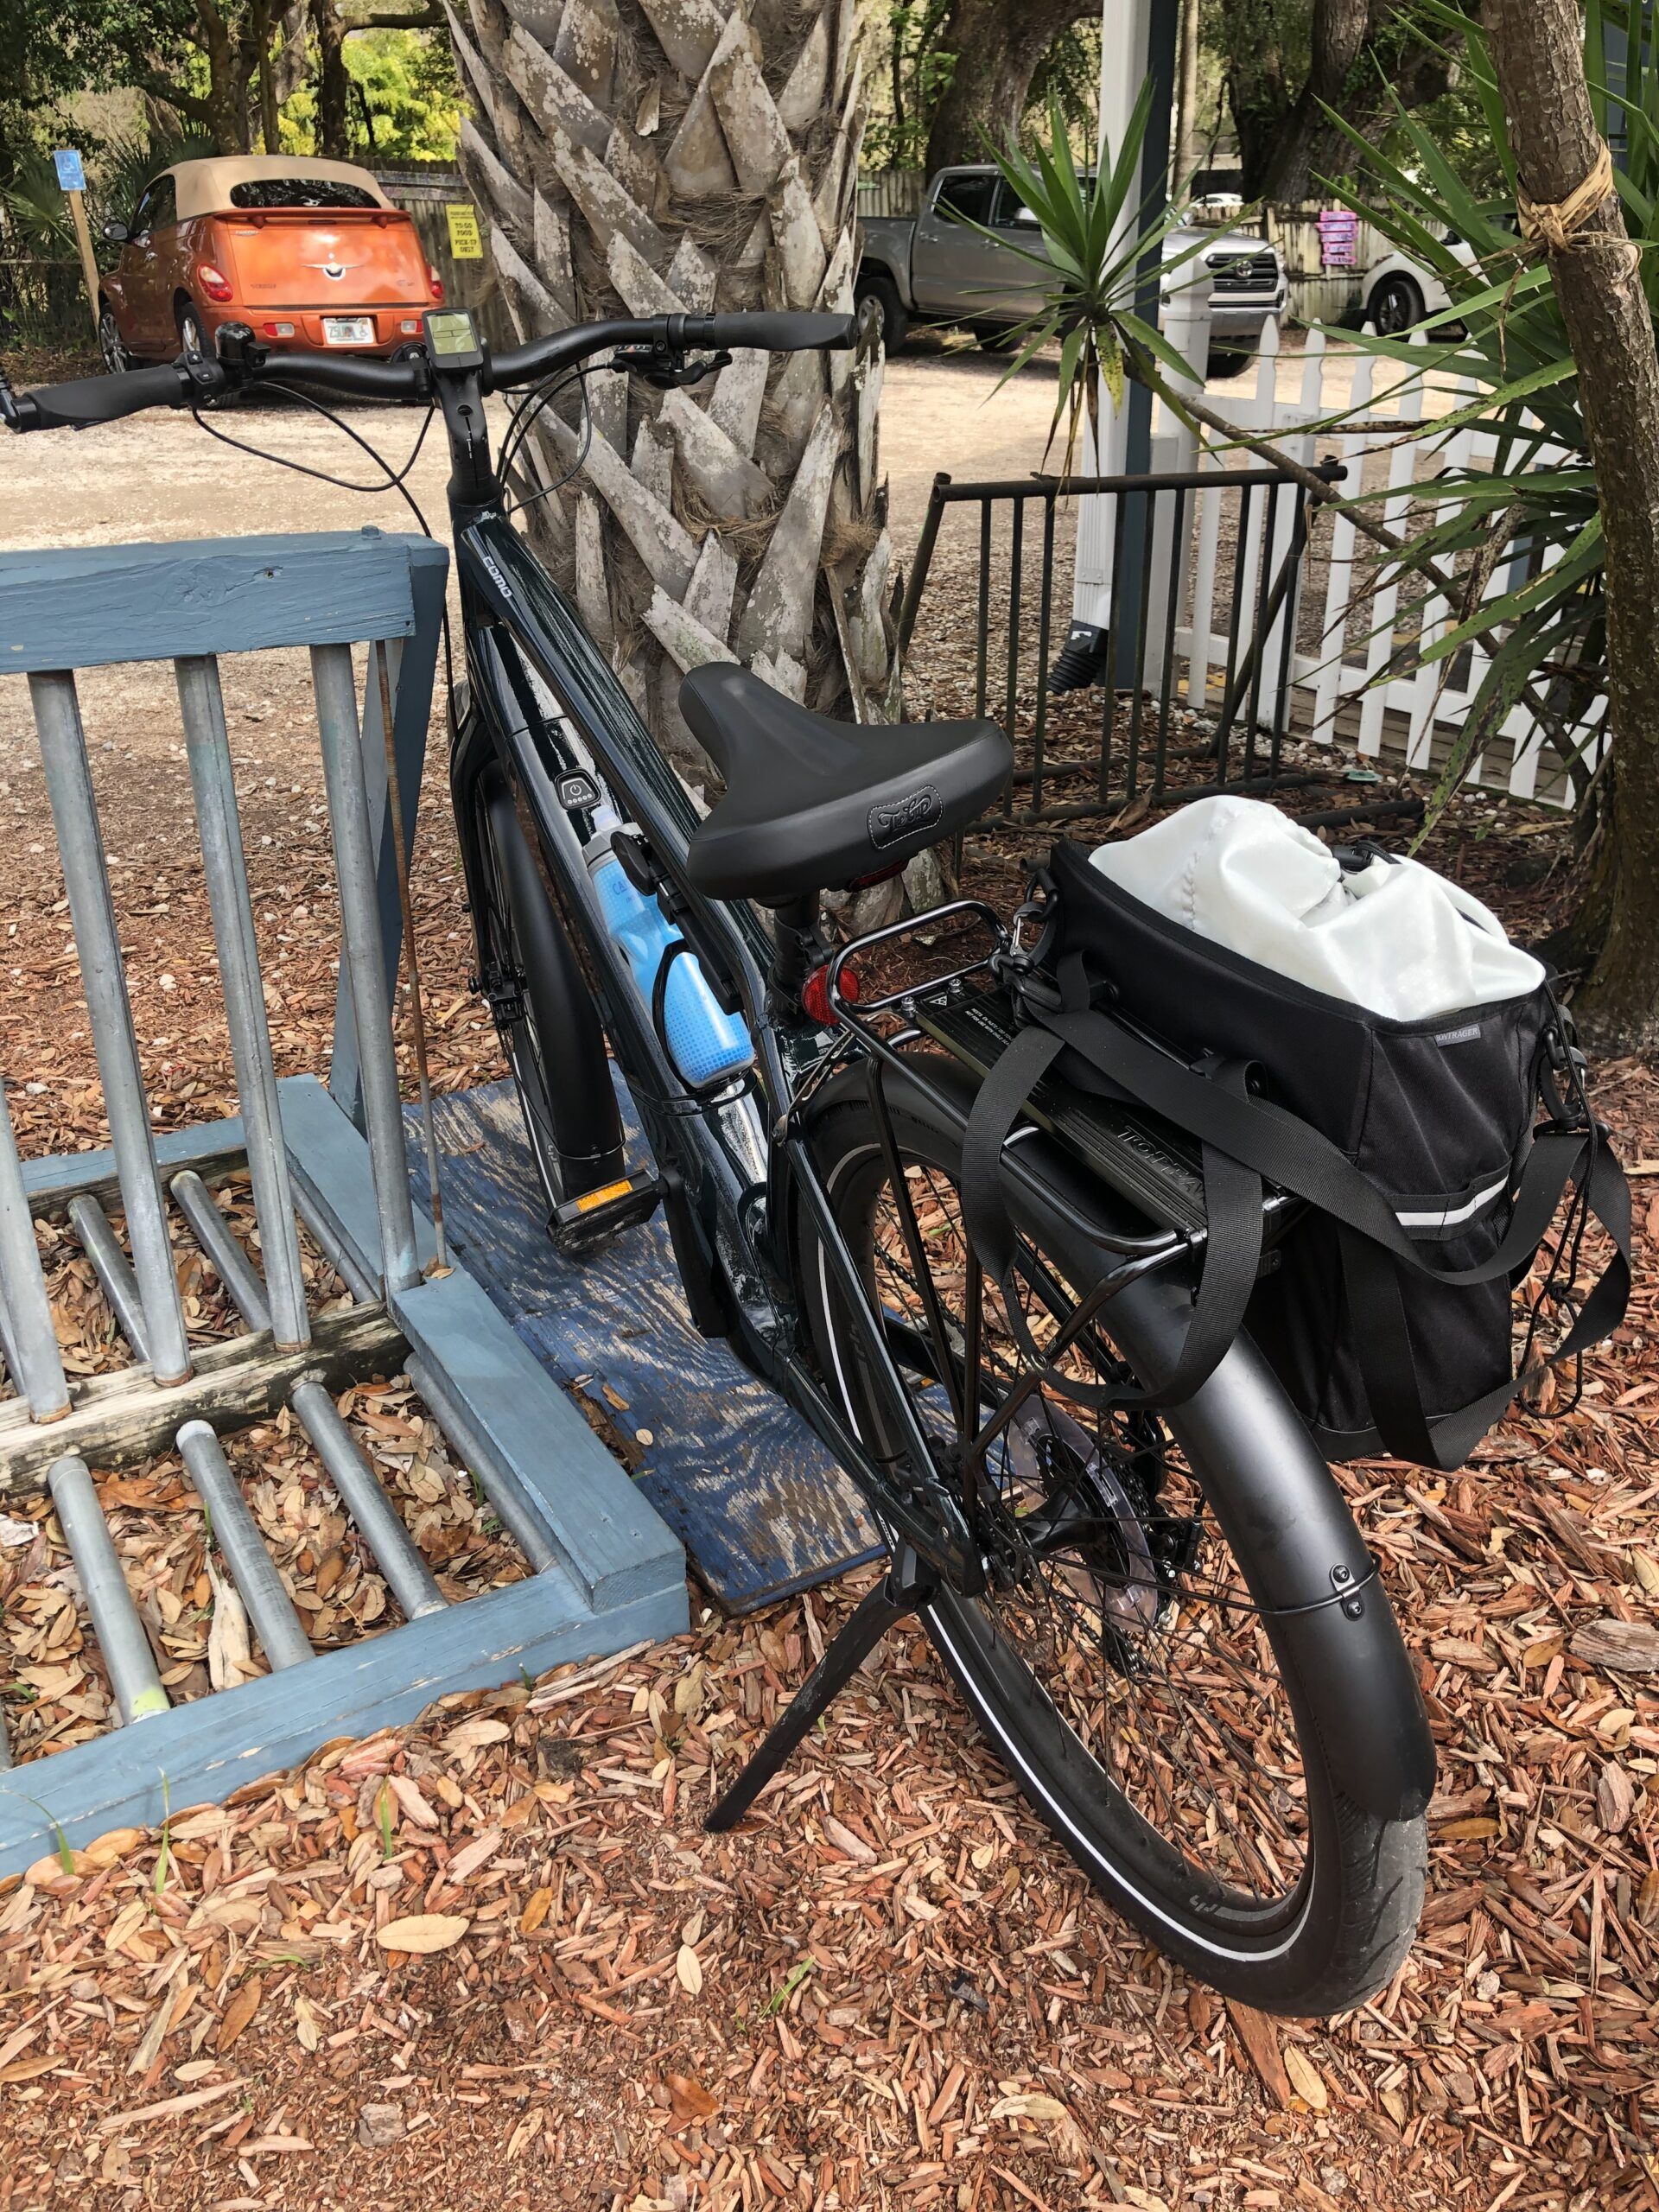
(86, 606)
(330, 1166)
(412, 663)
(216, 1745)
(615, 1542)
(617, 1546)
(56, 1178)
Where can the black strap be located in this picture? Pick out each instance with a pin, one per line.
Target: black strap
(1388, 1366)
(1278, 1147)
(1285, 1150)
(1232, 1249)
(1244, 1140)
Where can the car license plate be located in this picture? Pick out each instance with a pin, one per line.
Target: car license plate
(348, 330)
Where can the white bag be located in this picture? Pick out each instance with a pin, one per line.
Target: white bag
(1393, 936)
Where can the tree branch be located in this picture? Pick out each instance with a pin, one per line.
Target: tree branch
(157, 87)
(412, 16)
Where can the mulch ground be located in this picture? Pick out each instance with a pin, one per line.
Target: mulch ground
(492, 1960)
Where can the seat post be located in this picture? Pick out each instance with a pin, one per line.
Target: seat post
(798, 947)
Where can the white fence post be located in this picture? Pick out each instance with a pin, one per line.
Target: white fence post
(1185, 322)
(1400, 712)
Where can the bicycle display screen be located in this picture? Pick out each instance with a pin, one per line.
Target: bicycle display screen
(453, 340)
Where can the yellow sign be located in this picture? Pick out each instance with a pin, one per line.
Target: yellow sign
(465, 243)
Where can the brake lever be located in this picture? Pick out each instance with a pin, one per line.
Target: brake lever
(665, 368)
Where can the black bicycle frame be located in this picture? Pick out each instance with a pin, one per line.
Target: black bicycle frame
(545, 711)
(544, 706)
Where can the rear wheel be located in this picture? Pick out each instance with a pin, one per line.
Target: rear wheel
(1227, 361)
(192, 334)
(881, 311)
(1150, 1713)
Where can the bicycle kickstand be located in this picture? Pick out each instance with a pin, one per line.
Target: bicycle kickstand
(904, 1589)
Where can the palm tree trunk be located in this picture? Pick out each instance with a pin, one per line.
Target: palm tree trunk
(1538, 55)
(648, 156)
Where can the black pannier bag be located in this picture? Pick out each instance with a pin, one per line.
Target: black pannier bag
(1429, 1178)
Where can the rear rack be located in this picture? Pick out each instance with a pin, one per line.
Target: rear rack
(1157, 1167)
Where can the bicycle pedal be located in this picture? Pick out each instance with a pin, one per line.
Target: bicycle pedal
(593, 1218)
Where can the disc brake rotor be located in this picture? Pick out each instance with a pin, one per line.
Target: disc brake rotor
(1071, 1507)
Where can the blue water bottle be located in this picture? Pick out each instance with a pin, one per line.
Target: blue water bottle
(704, 1042)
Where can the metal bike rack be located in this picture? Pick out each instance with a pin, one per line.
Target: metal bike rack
(605, 1570)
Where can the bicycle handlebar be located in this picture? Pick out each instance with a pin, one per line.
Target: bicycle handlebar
(189, 381)
(86, 400)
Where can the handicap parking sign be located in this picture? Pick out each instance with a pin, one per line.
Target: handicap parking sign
(72, 177)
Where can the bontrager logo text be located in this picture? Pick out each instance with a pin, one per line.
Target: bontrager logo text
(901, 818)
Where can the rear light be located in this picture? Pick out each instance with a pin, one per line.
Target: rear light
(409, 326)
(278, 329)
(433, 282)
(814, 994)
(216, 286)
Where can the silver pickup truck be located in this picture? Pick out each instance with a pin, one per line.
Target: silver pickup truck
(939, 269)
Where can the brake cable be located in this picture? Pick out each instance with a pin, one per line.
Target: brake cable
(536, 402)
(394, 479)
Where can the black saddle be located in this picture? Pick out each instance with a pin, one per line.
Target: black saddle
(813, 805)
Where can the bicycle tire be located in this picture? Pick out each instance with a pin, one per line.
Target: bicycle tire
(512, 914)
(1335, 1938)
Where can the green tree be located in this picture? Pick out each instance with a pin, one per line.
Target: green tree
(946, 74)
(1289, 64)
(335, 22)
(999, 46)
(43, 58)
(410, 101)
(403, 102)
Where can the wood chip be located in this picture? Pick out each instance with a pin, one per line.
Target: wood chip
(238, 2013)
(1260, 2038)
(1628, 1647)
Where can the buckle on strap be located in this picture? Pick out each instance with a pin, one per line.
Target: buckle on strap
(1013, 963)
(1561, 1083)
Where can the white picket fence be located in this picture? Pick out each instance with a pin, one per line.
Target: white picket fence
(1337, 687)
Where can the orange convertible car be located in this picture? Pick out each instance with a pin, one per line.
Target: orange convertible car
(311, 253)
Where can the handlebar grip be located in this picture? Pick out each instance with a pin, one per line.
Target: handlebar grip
(87, 400)
(773, 334)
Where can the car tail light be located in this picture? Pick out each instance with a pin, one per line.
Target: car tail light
(433, 282)
(213, 281)
(279, 329)
(409, 326)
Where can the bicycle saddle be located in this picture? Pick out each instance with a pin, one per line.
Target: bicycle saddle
(814, 804)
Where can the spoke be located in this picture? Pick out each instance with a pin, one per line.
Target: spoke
(1162, 1673)
(899, 1184)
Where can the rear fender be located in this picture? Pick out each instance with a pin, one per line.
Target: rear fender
(1277, 1499)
